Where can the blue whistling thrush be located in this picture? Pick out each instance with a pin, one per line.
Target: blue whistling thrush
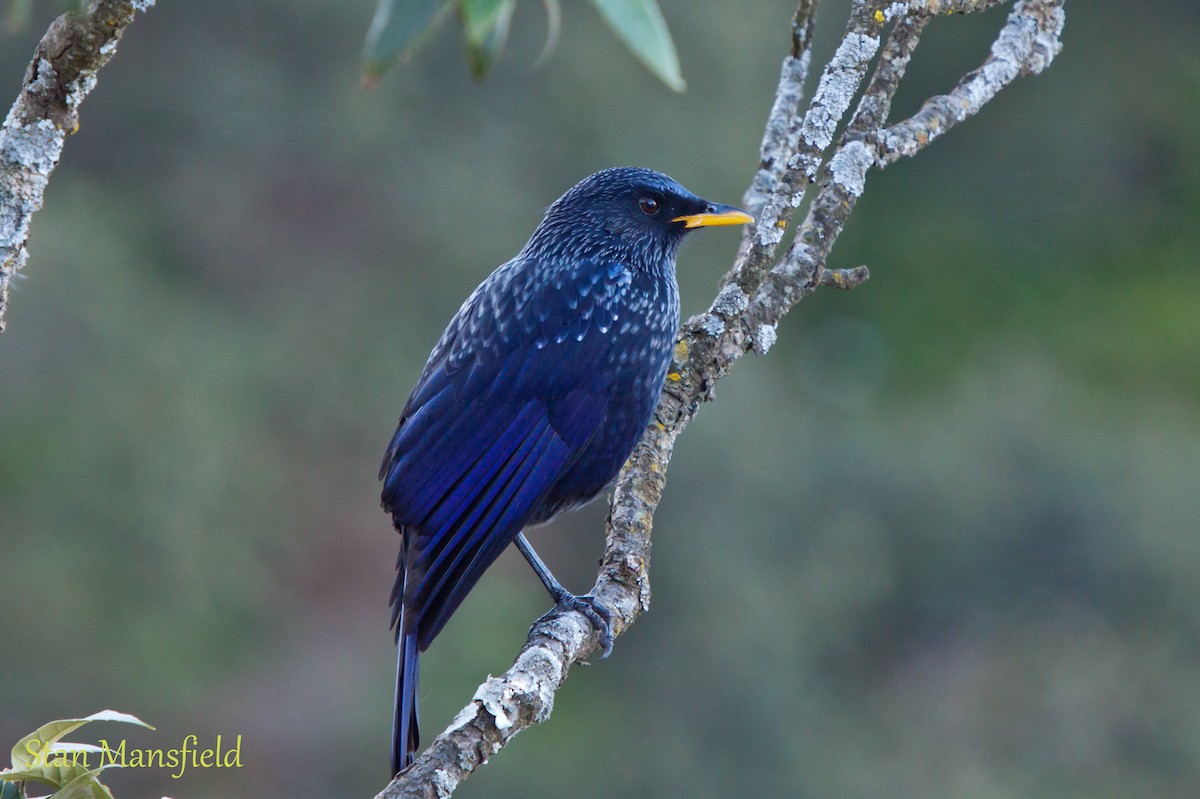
(533, 398)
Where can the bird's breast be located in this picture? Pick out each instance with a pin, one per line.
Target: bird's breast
(641, 319)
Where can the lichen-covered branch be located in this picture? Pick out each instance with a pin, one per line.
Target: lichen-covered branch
(1026, 45)
(61, 74)
(797, 154)
(781, 135)
(752, 299)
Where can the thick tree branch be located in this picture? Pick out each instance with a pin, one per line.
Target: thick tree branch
(752, 299)
(61, 74)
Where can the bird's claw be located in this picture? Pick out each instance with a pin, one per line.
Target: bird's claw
(598, 613)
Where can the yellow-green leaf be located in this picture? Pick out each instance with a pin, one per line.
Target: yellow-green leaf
(54, 776)
(397, 27)
(640, 25)
(485, 30)
(85, 786)
(44, 739)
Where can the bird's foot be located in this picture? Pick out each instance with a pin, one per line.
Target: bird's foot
(598, 613)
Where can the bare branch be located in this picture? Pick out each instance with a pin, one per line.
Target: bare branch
(781, 136)
(752, 299)
(876, 102)
(951, 6)
(1026, 45)
(845, 279)
(61, 74)
(839, 83)
(801, 269)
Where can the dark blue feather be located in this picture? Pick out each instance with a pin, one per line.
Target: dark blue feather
(532, 399)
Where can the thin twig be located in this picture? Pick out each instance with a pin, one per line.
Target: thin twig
(1026, 45)
(781, 135)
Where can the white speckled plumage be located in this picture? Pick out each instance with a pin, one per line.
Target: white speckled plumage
(536, 393)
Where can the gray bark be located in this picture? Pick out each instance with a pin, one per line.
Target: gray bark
(61, 74)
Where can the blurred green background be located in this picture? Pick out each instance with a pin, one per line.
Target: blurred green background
(941, 542)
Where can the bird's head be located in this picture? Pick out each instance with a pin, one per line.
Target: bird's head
(627, 212)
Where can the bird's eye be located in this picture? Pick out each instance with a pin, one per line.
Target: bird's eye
(649, 206)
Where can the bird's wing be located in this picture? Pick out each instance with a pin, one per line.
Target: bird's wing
(481, 476)
(496, 419)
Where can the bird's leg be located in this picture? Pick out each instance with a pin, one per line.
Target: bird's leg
(597, 612)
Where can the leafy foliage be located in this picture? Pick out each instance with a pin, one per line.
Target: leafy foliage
(640, 25)
(400, 25)
(43, 757)
(485, 29)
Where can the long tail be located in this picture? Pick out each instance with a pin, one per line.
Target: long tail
(405, 730)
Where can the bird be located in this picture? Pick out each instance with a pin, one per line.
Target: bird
(534, 396)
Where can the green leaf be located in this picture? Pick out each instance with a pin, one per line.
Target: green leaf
(397, 27)
(553, 29)
(44, 739)
(54, 776)
(63, 777)
(85, 786)
(640, 24)
(8, 790)
(485, 29)
(42, 756)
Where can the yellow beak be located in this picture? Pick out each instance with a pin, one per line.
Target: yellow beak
(717, 215)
